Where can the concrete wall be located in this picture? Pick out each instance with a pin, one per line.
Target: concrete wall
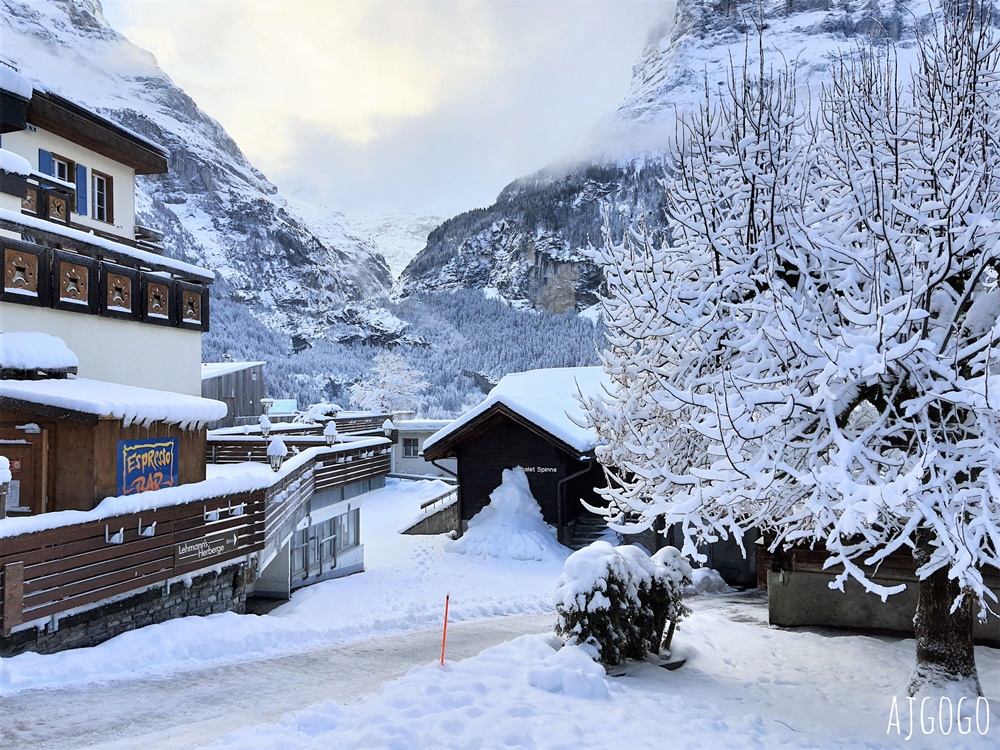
(208, 594)
(796, 598)
(119, 351)
(26, 143)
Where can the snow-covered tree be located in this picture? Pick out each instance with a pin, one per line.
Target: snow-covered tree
(391, 386)
(812, 354)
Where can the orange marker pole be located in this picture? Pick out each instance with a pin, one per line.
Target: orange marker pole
(444, 635)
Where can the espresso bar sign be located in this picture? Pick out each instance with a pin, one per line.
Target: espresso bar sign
(205, 548)
(145, 465)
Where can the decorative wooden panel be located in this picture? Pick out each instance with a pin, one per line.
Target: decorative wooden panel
(25, 274)
(192, 306)
(74, 282)
(119, 291)
(20, 272)
(58, 208)
(158, 304)
(30, 201)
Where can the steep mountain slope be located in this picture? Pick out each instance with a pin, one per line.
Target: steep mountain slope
(214, 207)
(532, 244)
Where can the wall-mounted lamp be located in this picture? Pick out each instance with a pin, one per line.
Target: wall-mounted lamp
(276, 452)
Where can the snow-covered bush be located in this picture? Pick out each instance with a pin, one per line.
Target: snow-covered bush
(618, 600)
(511, 526)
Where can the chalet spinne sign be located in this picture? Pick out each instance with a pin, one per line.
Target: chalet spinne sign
(145, 465)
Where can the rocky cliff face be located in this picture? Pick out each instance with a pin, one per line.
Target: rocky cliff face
(532, 245)
(214, 207)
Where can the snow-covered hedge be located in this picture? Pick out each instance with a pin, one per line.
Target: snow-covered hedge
(619, 600)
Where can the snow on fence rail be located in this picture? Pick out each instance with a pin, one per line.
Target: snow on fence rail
(330, 468)
(446, 499)
(48, 572)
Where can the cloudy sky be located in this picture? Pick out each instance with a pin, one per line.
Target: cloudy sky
(422, 105)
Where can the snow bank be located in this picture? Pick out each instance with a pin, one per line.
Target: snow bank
(12, 163)
(511, 526)
(402, 589)
(707, 581)
(35, 351)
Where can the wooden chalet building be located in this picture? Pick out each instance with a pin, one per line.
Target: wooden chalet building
(116, 491)
(530, 419)
(239, 385)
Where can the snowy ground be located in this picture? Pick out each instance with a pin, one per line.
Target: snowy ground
(744, 685)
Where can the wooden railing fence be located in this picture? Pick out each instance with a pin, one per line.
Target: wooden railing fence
(51, 572)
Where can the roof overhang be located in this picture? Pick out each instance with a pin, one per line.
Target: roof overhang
(71, 121)
(13, 112)
(445, 448)
(23, 406)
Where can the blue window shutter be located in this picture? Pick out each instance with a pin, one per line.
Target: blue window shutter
(45, 161)
(81, 190)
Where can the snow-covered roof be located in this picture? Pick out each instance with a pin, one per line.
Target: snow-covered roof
(421, 425)
(35, 351)
(125, 402)
(150, 259)
(12, 163)
(218, 369)
(547, 399)
(14, 83)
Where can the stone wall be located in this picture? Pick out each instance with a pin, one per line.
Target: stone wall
(442, 522)
(210, 593)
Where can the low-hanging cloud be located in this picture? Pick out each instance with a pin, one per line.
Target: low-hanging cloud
(415, 104)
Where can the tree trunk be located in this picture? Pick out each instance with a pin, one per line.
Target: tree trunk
(945, 655)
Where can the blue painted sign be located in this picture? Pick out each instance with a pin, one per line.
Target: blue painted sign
(145, 465)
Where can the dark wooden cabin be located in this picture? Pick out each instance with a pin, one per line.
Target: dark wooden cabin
(503, 436)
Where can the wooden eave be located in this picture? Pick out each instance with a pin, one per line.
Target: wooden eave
(43, 410)
(74, 123)
(445, 448)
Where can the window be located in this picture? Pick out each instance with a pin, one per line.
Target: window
(103, 197)
(62, 169)
(411, 448)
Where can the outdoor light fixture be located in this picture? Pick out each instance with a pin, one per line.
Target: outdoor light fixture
(3, 499)
(330, 432)
(388, 427)
(276, 452)
(265, 425)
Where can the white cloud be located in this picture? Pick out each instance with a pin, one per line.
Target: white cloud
(439, 104)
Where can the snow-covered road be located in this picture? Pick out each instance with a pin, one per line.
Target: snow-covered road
(199, 707)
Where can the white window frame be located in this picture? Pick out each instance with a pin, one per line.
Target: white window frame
(100, 206)
(58, 161)
(411, 451)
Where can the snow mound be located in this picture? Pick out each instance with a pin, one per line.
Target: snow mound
(511, 526)
(30, 350)
(572, 671)
(707, 581)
